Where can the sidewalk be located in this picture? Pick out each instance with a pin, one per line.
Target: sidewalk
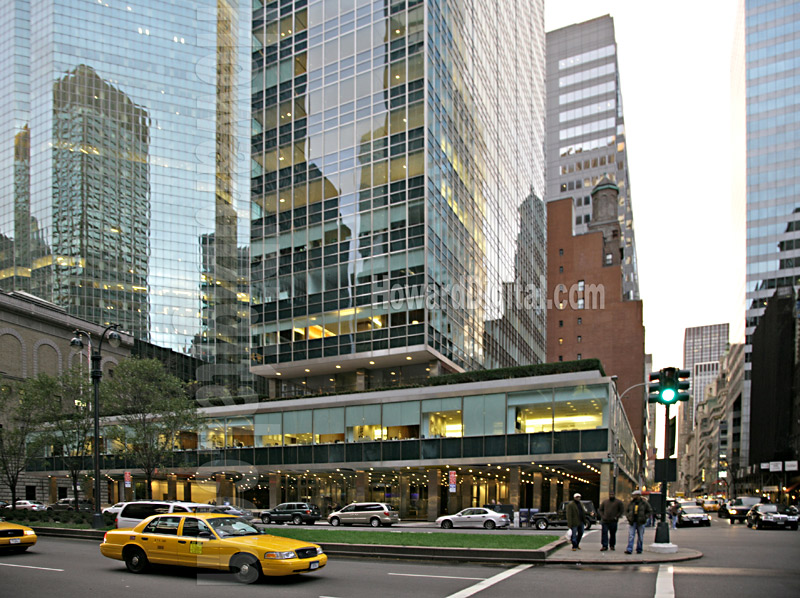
(590, 553)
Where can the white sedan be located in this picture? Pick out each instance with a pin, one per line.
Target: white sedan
(29, 505)
(114, 509)
(474, 517)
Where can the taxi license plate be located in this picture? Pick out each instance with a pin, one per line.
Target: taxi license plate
(15, 540)
(314, 565)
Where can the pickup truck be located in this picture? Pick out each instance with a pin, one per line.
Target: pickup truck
(559, 518)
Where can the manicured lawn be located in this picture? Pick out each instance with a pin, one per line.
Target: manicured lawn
(57, 524)
(497, 539)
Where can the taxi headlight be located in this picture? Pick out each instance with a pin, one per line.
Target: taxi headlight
(29, 532)
(279, 555)
(319, 550)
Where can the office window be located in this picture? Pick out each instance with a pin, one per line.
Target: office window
(580, 339)
(561, 323)
(580, 356)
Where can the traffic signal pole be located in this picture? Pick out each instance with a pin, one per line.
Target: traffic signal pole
(662, 530)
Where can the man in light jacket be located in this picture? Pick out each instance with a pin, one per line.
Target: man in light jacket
(610, 510)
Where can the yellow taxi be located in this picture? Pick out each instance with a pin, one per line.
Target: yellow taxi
(15, 538)
(211, 541)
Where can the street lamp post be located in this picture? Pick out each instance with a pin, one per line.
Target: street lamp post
(97, 373)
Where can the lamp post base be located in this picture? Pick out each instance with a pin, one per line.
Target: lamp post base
(97, 521)
(662, 533)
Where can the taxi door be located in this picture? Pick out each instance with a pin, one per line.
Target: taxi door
(160, 539)
(197, 545)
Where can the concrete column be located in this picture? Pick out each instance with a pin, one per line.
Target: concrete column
(129, 492)
(567, 494)
(553, 494)
(434, 496)
(436, 368)
(606, 479)
(465, 492)
(272, 388)
(172, 487)
(53, 489)
(361, 486)
(187, 491)
(274, 490)
(536, 499)
(405, 495)
(513, 487)
(224, 488)
(114, 488)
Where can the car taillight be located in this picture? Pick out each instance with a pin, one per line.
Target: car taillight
(386, 513)
(308, 512)
(504, 516)
(105, 535)
(116, 521)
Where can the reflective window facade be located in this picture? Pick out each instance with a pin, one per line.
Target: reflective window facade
(586, 128)
(125, 187)
(772, 52)
(398, 166)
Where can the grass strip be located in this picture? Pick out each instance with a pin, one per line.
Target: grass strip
(498, 539)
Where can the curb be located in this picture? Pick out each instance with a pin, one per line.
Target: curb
(540, 556)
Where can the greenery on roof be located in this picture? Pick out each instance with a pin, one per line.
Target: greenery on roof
(523, 371)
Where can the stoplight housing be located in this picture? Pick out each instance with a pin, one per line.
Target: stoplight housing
(667, 386)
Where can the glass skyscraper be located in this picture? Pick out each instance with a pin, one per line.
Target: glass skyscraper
(772, 45)
(124, 171)
(397, 184)
(586, 129)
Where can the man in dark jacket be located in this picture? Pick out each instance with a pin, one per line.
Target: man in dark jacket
(610, 510)
(638, 512)
(575, 520)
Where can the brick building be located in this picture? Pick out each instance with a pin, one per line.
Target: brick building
(590, 316)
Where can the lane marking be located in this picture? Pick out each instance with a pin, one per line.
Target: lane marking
(734, 571)
(486, 583)
(664, 585)
(30, 567)
(438, 576)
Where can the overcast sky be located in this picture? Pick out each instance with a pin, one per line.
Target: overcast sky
(675, 72)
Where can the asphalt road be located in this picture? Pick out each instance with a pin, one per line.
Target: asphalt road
(737, 562)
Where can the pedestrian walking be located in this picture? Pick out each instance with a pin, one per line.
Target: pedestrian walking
(610, 510)
(638, 512)
(674, 509)
(575, 520)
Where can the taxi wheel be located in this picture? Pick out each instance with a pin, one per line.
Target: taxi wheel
(297, 520)
(136, 560)
(245, 569)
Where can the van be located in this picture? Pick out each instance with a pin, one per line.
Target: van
(367, 513)
(134, 512)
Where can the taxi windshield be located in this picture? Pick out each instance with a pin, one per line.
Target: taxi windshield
(226, 527)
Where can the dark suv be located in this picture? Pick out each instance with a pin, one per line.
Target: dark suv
(296, 512)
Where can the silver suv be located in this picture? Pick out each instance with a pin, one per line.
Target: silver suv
(375, 514)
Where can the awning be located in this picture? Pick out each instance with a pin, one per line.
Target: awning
(698, 488)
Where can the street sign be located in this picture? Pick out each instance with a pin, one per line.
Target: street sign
(127, 478)
(453, 481)
(790, 466)
(765, 466)
(776, 465)
(770, 488)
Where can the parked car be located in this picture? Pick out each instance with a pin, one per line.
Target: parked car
(739, 507)
(375, 514)
(69, 504)
(134, 512)
(559, 518)
(692, 515)
(115, 508)
(296, 512)
(226, 510)
(474, 517)
(771, 515)
(15, 538)
(212, 541)
(28, 505)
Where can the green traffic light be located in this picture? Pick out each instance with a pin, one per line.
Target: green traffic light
(668, 395)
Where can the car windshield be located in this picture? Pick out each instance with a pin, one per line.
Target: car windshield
(232, 526)
(692, 510)
(745, 502)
